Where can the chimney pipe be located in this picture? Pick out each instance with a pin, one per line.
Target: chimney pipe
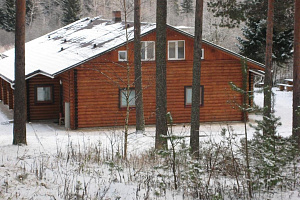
(116, 16)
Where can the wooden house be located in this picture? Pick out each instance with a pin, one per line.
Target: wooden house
(80, 72)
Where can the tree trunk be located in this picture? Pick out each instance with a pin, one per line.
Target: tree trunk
(195, 115)
(268, 64)
(139, 105)
(296, 74)
(20, 84)
(161, 85)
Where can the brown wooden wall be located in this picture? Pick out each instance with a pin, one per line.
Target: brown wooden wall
(38, 111)
(1, 95)
(94, 92)
(4, 92)
(68, 95)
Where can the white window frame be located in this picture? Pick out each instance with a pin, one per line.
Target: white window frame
(202, 54)
(176, 49)
(120, 59)
(185, 95)
(122, 93)
(146, 49)
(42, 88)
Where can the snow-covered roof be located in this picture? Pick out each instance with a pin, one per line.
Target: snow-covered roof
(69, 46)
(75, 44)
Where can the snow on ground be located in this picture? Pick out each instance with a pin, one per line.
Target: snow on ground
(47, 140)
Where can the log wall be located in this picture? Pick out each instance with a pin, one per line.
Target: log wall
(1, 96)
(41, 111)
(95, 95)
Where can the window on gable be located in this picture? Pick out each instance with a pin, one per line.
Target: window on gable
(122, 55)
(176, 50)
(44, 93)
(123, 97)
(188, 95)
(148, 50)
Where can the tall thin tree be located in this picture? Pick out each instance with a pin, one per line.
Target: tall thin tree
(140, 122)
(296, 75)
(161, 74)
(20, 84)
(195, 114)
(268, 64)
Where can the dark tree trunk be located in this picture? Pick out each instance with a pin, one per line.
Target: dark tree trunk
(161, 85)
(20, 84)
(195, 115)
(268, 64)
(296, 74)
(139, 105)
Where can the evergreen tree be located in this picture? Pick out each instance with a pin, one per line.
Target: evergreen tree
(161, 75)
(255, 41)
(187, 6)
(253, 12)
(20, 103)
(140, 121)
(8, 15)
(296, 75)
(71, 11)
(195, 113)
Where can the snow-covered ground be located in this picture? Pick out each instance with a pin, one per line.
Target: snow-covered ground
(35, 171)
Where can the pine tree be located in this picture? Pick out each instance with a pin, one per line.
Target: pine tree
(161, 75)
(296, 74)
(20, 103)
(187, 6)
(255, 40)
(8, 15)
(253, 12)
(140, 122)
(195, 114)
(71, 11)
(268, 66)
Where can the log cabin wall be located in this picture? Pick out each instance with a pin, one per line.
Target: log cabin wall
(47, 110)
(10, 98)
(100, 80)
(67, 79)
(1, 96)
(4, 91)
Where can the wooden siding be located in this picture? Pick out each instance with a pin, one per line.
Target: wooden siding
(1, 95)
(93, 90)
(4, 92)
(38, 111)
(67, 79)
(10, 96)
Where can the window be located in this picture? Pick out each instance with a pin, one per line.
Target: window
(148, 50)
(188, 95)
(131, 97)
(202, 55)
(122, 55)
(44, 94)
(176, 50)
